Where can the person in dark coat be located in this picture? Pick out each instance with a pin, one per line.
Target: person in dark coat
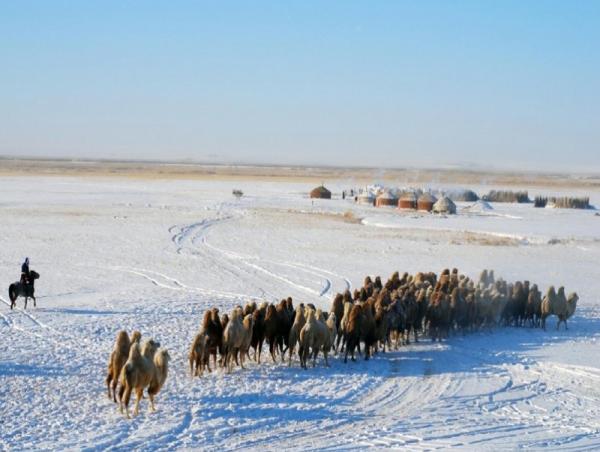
(25, 271)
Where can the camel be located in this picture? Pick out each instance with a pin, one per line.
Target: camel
(137, 373)
(233, 336)
(198, 355)
(299, 322)
(313, 336)
(161, 369)
(118, 357)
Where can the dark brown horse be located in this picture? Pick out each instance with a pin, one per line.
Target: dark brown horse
(19, 289)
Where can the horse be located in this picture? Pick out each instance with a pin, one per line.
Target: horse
(19, 289)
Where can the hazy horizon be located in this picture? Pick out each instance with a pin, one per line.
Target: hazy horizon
(432, 84)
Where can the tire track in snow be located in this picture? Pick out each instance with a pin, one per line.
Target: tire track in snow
(178, 286)
(197, 232)
(75, 346)
(191, 233)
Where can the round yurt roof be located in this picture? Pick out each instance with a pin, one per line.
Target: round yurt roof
(444, 205)
(387, 195)
(408, 196)
(427, 197)
(320, 192)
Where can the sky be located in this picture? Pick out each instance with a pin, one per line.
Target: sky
(483, 84)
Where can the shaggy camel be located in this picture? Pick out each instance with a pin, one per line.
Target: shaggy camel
(533, 308)
(337, 307)
(258, 331)
(558, 305)
(343, 327)
(352, 331)
(233, 336)
(368, 328)
(550, 306)
(118, 358)
(161, 369)
(285, 313)
(331, 324)
(273, 331)
(213, 329)
(313, 337)
(248, 324)
(382, 324)
(198, 356)
(299, 322)
(137, 373)
(571, 306)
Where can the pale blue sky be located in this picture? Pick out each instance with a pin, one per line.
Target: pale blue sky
(388, 83)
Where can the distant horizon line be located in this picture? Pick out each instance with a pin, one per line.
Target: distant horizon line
(470, 167)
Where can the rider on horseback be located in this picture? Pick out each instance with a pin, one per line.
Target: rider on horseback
(24, 288)
(25, 271)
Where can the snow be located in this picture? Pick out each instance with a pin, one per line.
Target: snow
(479, 206)
(154, 255)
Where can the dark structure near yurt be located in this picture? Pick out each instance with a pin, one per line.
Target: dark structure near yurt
(507, 196)
(426, 202)
(408, 201)
(462, 195)
(563, 202)
(320, 192)
(386, 199)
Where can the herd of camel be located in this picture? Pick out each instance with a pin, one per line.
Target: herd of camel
(376, 316)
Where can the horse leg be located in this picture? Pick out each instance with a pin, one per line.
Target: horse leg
(25, 303)
(34, 303)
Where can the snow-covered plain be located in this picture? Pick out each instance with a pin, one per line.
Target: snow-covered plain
(153, 255)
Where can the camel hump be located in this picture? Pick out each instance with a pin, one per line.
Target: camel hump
(135, 352)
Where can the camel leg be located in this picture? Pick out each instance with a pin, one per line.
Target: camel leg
(114, 389)
(139, 393)
(260, 345)
(122, 392)
(125, 397)
(226, 362)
